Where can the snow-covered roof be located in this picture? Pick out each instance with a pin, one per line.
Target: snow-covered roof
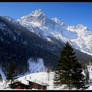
(25, 82)
(45, 84)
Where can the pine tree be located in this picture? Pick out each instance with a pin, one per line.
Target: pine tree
(11, 71)
(48, 71)
(0, 77)
(86, 74)
(68, 70)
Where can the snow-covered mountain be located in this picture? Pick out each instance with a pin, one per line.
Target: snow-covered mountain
(38, 36)
(18, 44)
(79, 36)
(40, 24)
(83, 41)
(34, 42)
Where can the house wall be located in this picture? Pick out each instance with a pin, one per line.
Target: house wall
(37, 86)
(30, 86)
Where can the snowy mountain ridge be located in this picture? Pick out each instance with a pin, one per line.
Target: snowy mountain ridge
(37, 22)
(80, 36)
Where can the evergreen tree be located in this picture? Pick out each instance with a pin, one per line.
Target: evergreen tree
(0, 77)
(11, 73)
(69, 70)
(48, 71)
(86, 74)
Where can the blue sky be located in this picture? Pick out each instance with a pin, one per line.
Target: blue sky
(71, 13)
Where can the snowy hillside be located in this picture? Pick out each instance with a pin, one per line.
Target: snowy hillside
(2, 74)
(79, 35)
(83, 41)
(36, 65)
(46, 78)
(43, 78)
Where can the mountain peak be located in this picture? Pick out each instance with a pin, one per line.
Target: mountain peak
(58, 21)
(37, 12)
(80, 26)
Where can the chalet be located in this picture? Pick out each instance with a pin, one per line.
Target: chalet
(30, 85)
(37, 86)
(18, 85)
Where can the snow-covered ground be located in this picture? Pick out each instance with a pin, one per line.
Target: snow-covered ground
(38, 73)
(41, 78)
(46, 78)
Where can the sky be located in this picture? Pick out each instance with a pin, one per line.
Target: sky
(71, 13)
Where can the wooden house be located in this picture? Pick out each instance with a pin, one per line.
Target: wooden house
(19, 85)
(31, 85)
(37, 85)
